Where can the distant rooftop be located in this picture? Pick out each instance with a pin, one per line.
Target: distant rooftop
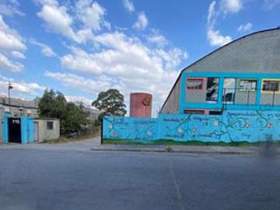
(16, 102)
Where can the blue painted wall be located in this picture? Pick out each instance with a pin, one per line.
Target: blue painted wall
(251, 126)
(27, 129)
(5, 133)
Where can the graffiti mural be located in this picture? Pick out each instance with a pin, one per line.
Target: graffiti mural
(251, 126)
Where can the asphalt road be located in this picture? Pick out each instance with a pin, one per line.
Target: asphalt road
(75, 180)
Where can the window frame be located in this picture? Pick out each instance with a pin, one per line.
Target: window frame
(270, 91)
(247, 90)
(52, 125)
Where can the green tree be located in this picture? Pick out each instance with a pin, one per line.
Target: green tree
(54, 105)
(110, 102)
(75, 119)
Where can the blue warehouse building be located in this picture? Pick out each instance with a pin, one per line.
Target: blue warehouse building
(231, 94)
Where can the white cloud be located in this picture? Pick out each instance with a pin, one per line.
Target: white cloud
(45, 49)
(214, 36)
(142, 21)
(116, 60)
(82, 83)
(9, 38)
(217, 39)
(271, 4)
(231, 6)
(129, 5)
(78, 23)
(157, 39)
(245, 27)
(18, 54)
(49, 2)
(11, 47)
(77, 99)
(10, 8)
(58, 20)
(21, 88)
(123, 55)
(126, 63)
(7, 64)
(91, 14)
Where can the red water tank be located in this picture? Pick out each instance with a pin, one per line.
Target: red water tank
(140, 105)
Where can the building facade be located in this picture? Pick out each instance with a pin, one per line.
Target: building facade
(242, 75)
(18, 107)
(46, 129)
(231, 94)
(20, 123)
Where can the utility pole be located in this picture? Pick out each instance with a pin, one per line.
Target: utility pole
(9, 95)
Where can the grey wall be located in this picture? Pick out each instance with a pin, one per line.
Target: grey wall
(172, 104)
(46, 134)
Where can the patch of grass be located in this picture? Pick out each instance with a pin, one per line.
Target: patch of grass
(172, 142)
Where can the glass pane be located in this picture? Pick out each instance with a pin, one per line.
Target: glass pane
(212, 89)
(247, 85)
(269, 85)
(229, 90)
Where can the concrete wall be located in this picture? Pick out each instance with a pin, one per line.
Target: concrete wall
(172, 104)
(251, 126)
(43, 133)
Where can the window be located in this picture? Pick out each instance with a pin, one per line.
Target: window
(212, 90)
(50, 125)
(271, 85)
(194, 84)
(247, 85)
(229, 90)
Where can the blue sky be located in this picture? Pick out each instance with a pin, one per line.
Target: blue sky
(83, 47)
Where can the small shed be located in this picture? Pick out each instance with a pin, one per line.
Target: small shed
(16, 129)
(46, 129)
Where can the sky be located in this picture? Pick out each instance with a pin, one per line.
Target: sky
(82, 47)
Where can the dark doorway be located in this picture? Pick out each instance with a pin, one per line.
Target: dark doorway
(14, 130)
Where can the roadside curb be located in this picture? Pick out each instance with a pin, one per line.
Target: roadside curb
(165, 150)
